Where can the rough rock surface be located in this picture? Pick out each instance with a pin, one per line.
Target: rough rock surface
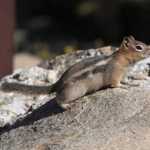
(109, 119)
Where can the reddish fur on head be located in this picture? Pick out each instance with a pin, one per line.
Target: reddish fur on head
(134, 50)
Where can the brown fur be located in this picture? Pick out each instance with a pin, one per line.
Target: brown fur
(107, 74)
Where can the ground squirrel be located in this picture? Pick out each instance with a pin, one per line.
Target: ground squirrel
(92, 74)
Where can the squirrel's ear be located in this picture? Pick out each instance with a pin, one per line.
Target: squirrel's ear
(125, 42)
(131, 37)
(125, 39)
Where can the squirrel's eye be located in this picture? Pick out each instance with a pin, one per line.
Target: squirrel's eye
(139, 48)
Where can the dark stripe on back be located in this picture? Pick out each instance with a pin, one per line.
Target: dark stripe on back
(86, 63)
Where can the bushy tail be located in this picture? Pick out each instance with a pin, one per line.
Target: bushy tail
(28, 89)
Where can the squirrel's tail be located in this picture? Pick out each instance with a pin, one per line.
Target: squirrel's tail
(28, 89)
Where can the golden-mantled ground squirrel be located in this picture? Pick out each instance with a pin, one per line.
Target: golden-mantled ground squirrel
(92, 74)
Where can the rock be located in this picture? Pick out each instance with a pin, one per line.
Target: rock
(108, 119)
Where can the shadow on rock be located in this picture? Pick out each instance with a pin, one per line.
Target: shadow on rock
(48, 109)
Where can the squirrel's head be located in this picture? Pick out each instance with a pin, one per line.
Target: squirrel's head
(135, 50)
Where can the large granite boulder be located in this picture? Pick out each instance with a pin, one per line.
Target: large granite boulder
(109, 119)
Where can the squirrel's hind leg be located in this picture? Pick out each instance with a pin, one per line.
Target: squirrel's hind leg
(70, 93)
